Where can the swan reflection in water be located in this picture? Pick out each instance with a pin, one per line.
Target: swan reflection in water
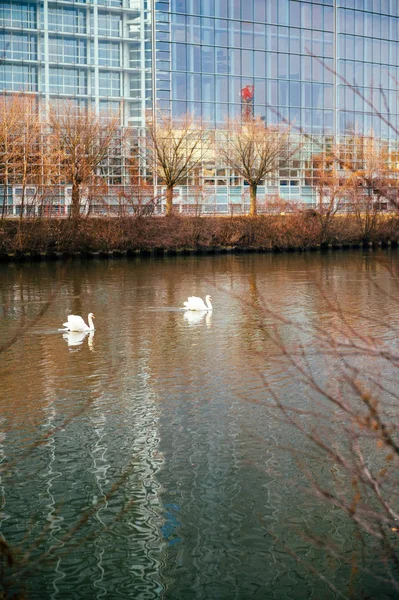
(76, 338)
(194, 318)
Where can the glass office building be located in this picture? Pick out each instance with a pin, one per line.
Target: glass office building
(291, 59)
(86, 50)
(280, 59)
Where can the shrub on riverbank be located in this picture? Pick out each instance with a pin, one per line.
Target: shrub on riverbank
(268, 232)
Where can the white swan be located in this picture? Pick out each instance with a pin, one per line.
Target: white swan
(76, 323)
(195, 303)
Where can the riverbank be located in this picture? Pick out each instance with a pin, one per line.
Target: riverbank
(58, 238)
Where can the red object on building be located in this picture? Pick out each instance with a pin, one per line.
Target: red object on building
(247, 93)
(247, 101)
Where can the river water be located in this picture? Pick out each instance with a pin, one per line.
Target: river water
(146, 460)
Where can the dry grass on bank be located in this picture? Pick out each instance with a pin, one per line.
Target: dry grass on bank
(266, 232)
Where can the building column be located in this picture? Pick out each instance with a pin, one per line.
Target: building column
(95, 84)
(45, 54)
(335, 71)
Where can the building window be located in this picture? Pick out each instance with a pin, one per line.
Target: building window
(109, 54)
(19, 46)
(68, 81)
(67, 50)
(18, 78)
(109, 84)
(109, 24)
(67, 20)
(13, 14)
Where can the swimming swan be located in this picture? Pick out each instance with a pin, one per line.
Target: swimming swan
(76, 323)
(195, 303)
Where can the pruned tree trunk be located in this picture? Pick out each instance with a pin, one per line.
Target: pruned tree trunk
(75, 206)
(252, 199)
(5, 196)
(169, 200)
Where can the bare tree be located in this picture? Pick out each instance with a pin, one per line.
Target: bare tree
(174, 148)
(83, 140)
(348, 417)
(24, 156)
(254, 150)
(369, 176)
(330, 183)
(28, 149)
(11, 119)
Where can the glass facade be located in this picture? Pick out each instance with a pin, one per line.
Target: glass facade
(216, 59)
(287, 52)
(96, 51)
(282, 60)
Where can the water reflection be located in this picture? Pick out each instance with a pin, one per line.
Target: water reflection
(196, 317)
(167, 438)
(76, 338)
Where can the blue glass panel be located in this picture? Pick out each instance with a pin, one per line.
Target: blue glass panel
(376, 25)
(376, 51)
(179, 109)
(247, 68)
(221, 8)
(222, 88)
(193, 30)
(260, 91)
(284, 93)
(306, 15)
(235, 89)
(178, 6)
(359, 23)
(295, 40)
(283, 72)
(283, 12)
(328, 121)
(207, 8)
(259, 36)
(194, 86)
(271, 43)
(359, 48)
(272, 96)
(207, 30)
(222, 113)
(234, 61)
(234, 9)
(259, 64)
(221, 60)
(208, 88)
(247, 10)
(178, 23)
(179, 86)
(208, 112)
(194, 108)
(260, 11)
(271, 59)
(247, 35)
(295, 13)
(306, 68)
(234, 34)
(328, 97)
(295, 66)
(179, 57)
(221, 32)
(328, 45)
(208, 59)
(328, 18)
